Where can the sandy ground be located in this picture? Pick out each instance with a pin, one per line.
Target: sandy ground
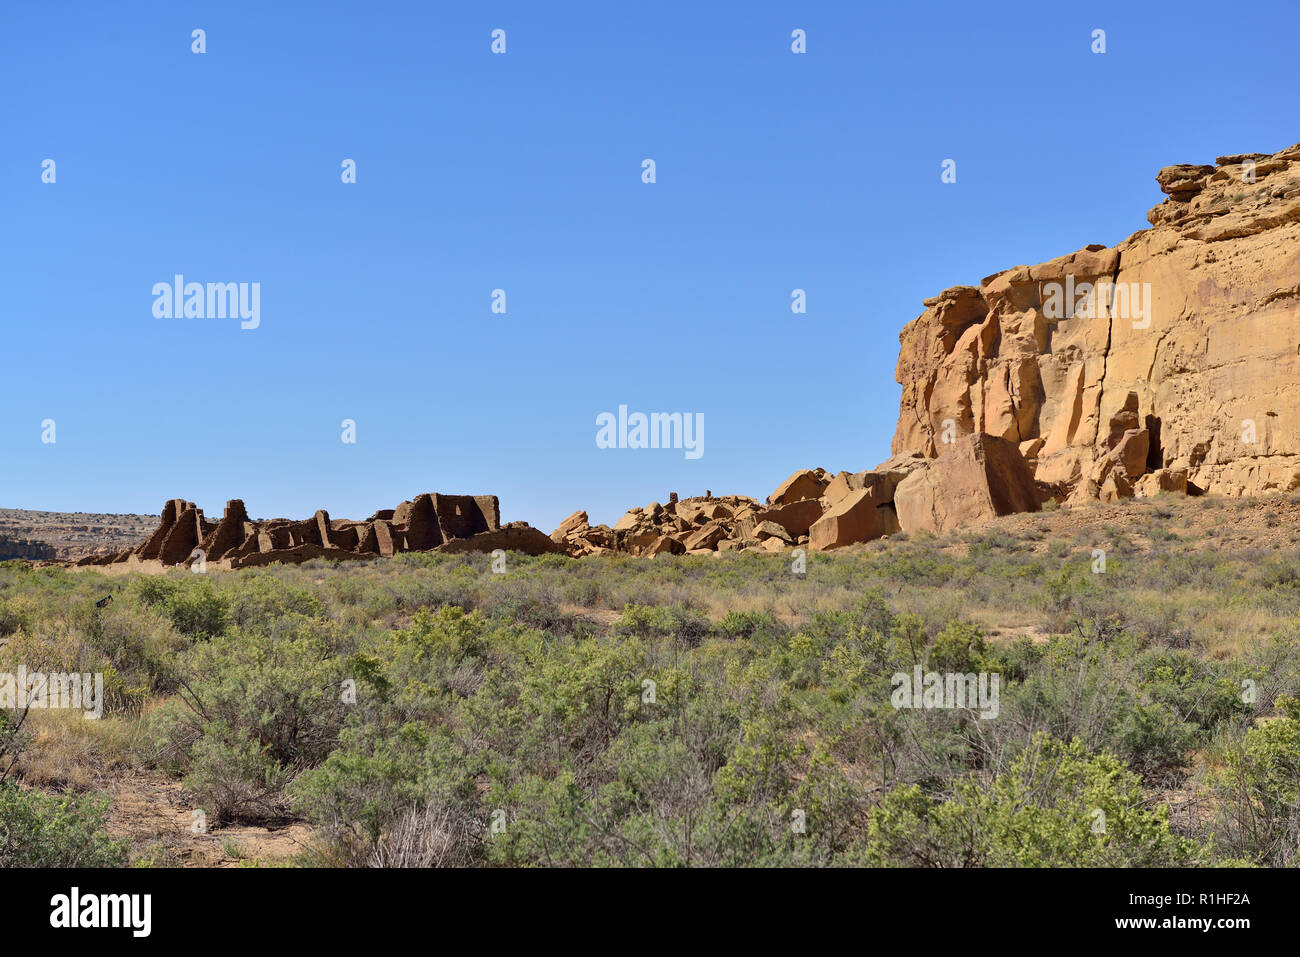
(153, 814)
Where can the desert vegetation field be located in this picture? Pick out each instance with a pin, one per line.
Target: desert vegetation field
(424, 710)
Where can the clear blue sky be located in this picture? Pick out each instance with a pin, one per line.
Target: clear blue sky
(523, 172)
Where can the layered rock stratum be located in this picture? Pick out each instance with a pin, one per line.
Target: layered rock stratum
(61, 536)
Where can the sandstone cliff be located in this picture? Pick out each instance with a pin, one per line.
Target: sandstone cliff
(1165, 362)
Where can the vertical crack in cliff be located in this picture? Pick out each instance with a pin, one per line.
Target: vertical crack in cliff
(1015, 407)
(1151, 369)
(1110, 334)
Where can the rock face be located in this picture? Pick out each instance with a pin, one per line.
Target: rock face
(452, 523)
(1181, 340)
(980, 477)
(23, 549)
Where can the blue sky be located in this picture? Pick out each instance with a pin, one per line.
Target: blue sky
(522, 172)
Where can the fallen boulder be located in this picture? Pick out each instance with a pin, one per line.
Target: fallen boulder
(857, 517)
(981, 476)
(803, 484)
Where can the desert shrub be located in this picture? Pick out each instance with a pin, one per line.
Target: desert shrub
(744, 624)
(447, 632)
(528, 603)
(37, 830)
(1056, 805)
(137, 646)
(1206, 694)
(587, 592)
(429, 835)
(1258, 782)
(253, 710)
(379, 775)
(152, 590)
(1153, 737)
(196, 609)
(1081, 682)
(918, 569)
(1278, 574)
(652, 620)
(1015, 659)
(573, 703)
(233, 775)
(457, 584)
(190, 602)
(959, 647)
(258, 598)
(13, 616)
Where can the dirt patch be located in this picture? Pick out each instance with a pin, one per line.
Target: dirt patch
(159, 823)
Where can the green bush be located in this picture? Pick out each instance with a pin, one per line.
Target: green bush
(1056, 805)
(13, 617)
(1259, 786)
(253, 711)
(41, 831)
(959, 647)
(191, 602)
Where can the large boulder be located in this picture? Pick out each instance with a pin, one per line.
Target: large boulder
(1161, 480)
(803, 484)
(665, 544)
(796, 517)
(980, 477)
(859, 516)
(630, 520)
(574, 523)
(706, 538)
(765, 530)
(1130, 452)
